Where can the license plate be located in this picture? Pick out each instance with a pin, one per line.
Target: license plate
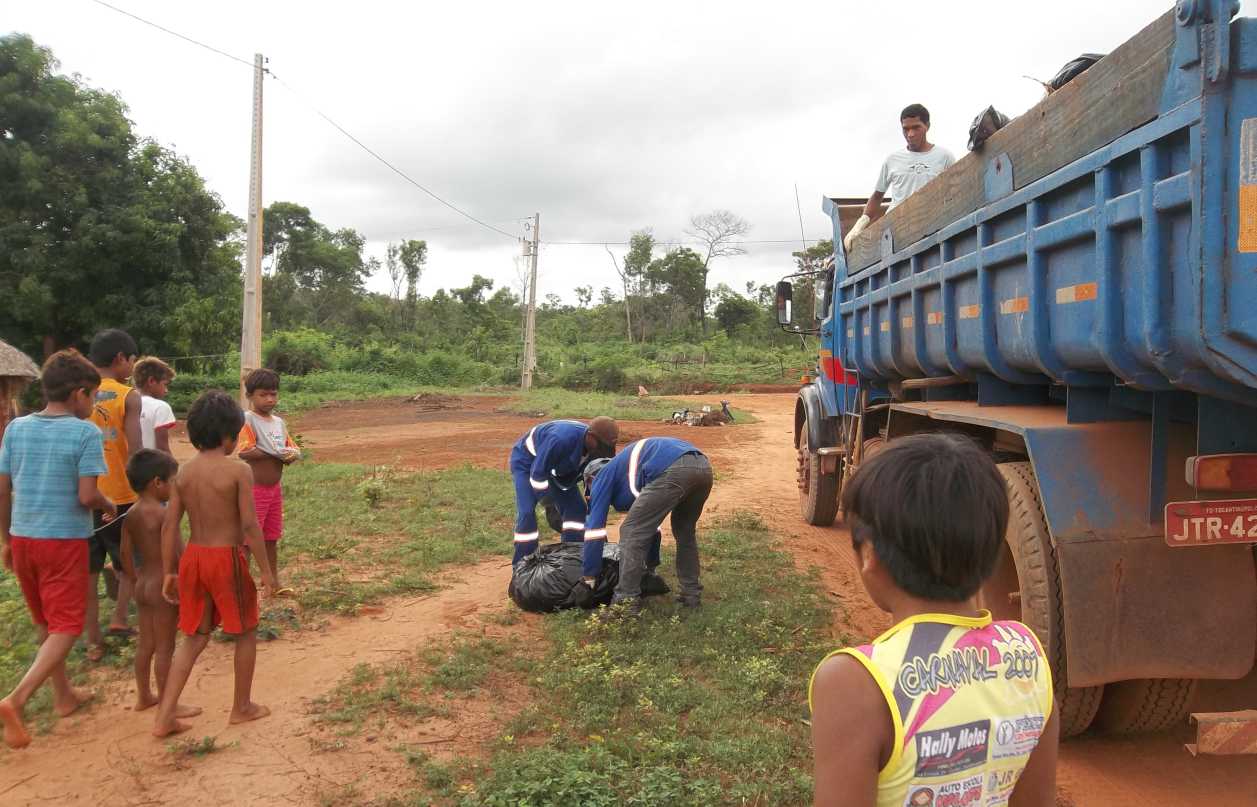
(1232, 521)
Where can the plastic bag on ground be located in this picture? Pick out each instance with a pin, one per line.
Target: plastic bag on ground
(543, 581)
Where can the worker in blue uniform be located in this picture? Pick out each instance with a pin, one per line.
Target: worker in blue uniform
(546, 464)
(649, 479)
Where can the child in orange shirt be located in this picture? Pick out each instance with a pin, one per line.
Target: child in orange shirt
(267, 447)
(212, 584)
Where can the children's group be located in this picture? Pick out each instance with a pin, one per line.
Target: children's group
(947, 707)
(89, 486)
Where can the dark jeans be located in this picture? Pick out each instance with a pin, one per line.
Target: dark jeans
(682, 490)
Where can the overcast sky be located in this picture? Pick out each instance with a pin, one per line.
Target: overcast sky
(605, 118)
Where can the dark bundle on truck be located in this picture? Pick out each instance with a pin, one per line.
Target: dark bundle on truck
(1081, 297)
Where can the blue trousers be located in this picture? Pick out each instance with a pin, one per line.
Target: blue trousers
(569, 501)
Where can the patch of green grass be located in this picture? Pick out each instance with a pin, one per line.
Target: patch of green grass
(553, 402)
(695, 708)
(355, 536)
(412, 687)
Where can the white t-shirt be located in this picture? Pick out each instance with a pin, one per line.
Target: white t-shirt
(155, 415)
(906, 172)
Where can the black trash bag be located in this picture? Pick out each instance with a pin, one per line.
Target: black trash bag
(988, 122)
(1073, 70)
(553, 516)
(544, 581)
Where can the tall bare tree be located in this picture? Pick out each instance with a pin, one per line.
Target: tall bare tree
(624, 280)
(718, 232)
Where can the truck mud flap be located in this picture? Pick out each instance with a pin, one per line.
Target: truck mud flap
(1136, 608)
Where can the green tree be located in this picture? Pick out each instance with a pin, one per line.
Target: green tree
(101, 228)
(321, 271)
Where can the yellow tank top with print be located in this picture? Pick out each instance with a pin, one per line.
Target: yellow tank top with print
(110, 415)
(968, 698)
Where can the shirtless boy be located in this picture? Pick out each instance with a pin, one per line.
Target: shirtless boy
(151, 474)
(212, 584)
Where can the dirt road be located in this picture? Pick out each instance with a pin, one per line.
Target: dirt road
(107, 756)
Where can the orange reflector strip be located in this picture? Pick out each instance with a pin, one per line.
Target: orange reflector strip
(906, 322)
(970, 311)
(1015, 305)
(1076, 294)
(934, 318)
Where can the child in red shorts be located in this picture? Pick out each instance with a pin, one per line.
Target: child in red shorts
(267, 447)
(212, 584)
(49, 464)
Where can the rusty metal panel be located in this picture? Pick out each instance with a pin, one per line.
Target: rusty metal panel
(1136, 608)
(1225, 733)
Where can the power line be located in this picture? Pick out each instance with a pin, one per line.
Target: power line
(389, 165)
(321, 114)
(197, 42)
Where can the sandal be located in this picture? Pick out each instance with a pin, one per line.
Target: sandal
(285, 591)
(125, 632)
(95, 652)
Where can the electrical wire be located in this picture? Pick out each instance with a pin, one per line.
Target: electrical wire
(196, 42)
(314, 107)
(389, 165)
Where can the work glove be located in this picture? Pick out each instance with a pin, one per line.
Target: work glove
(582, 595)
(856, 229)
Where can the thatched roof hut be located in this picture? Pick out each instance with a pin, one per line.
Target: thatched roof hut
(16, 372)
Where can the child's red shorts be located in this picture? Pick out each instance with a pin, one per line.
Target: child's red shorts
(268, 501)
(221, 575)
(53, 575)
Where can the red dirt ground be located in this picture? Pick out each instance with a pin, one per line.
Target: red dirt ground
(106, 755)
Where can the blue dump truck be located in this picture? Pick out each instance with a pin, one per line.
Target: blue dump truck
(1080, 296)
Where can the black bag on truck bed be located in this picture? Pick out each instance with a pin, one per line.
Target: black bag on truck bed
(543, 581)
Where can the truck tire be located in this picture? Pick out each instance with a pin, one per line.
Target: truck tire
(818, 491)
(1026, 586)
(1145, 705)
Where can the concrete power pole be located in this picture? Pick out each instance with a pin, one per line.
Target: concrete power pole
(251, 331)
(530, 321)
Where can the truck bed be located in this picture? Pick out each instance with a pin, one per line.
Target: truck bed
(1110, 234)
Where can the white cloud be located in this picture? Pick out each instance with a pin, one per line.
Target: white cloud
(605, 118)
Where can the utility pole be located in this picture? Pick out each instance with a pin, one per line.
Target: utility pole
(530, 322)
(251, 330)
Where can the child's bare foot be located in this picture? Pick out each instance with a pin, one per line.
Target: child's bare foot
(146, 701)
(174, 727)
(187, 711)
(66, 707)
(15, 734)
(253, 711)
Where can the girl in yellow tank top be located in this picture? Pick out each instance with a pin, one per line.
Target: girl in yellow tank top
(948, 708)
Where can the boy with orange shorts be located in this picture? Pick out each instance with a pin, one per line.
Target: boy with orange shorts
(266, 446)
(49, 464)
(212, 584)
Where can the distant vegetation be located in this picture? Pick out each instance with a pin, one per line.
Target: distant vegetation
(101, 227)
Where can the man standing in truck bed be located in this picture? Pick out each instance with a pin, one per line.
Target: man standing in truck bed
(906, 171)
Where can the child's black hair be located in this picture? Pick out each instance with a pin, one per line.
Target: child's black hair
(261, 378)
(106, 346)
(935, 509)
(213, 418)
(64, 372)
(148, 464)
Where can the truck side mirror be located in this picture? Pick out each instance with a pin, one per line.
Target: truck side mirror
(785, 298)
